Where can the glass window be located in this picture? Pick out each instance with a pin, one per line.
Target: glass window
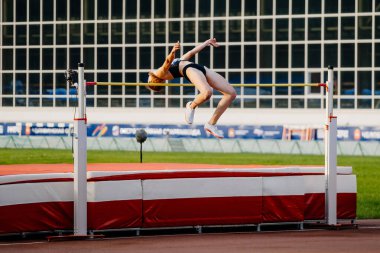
(175, 31)
(282, 7)
(266, 30)
(377, 84)
(61, 34)
(348, 6)
(75, 10)
(20, 59)
(313, 103)
(220, 30)
(88, 9)
(377, 27)
(281, 77)
(314, 56)
(175, 8)
(7, 87)
(265, 103)
(347, 55)
(20, 35)
(34, 84)
(265, 56)
(249, 56)
(220, 57)
(88, 55)
(298, 77)
(7, 35)
(365, 5)
(314, 29)
(21, 10)
(377, 54)
(61, 58)
(250, 30)
(235, 30)
(365, 27)
(102, 59)
(204, 30)
(282, 56)
(159, 8)
(235, 7)
(48, 10)
(7, 10)
(116, 33)
(298, 56)
(103, 9)
(47, 84)
(34, 35)
(204, 8)
(250, 8)
(130, 58)
(131, 9)
(250, 77)
(282, 29)
(234, 57)
(364, 55)
(331, 28)
(189, 27)
(117, 9)
(281, 103)
(47, 31)
(189, 7)
(47, 58)
(266, 7)
(220, 8)
(60, 10)
(88, 34)
(331, 6)
(7, 59)
(75, 34)
(204, 57)
(347, 28)
(331, 55)
(116, 58)
(364, 103)
(347, 82)
(102, 33)
(74, 57)
(266, 77)
(315, 6)
(364, 83)
(298, 29)
(145, 53)
(298, 6)
(145, 8)
(145, 32)
(130, 33)
(34, 58)
(159, 56)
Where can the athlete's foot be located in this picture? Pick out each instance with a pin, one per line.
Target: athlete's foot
(212, 129)
(189, 113)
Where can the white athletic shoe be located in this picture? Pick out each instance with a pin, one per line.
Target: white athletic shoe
(212, 129)
(189, 114)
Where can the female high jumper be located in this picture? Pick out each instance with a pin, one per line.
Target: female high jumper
(204, 79)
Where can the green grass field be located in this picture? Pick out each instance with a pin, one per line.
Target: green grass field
(367, 169)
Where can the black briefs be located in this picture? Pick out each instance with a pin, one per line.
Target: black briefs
(193, 65)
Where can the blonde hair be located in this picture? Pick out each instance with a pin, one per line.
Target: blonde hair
(154, 79)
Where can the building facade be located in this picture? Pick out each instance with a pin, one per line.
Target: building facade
(262, 41)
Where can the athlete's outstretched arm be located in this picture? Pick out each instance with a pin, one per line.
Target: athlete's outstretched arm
(200, 47)
(169, 59)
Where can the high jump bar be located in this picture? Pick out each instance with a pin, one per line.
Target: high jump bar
(184, 84)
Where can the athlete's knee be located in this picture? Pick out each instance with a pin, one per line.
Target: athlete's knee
(206, 94)
(231, 95)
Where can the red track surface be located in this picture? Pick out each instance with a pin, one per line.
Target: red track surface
(62, 168)
(365, 239)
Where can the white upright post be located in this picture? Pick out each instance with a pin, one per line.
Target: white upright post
(80, 158)
(330, 153)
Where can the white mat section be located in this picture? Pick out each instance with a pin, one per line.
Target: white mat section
(283, 186)
(316, 184)
(201, 188)
(14, 194)
(30, 177)
(114, 190)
